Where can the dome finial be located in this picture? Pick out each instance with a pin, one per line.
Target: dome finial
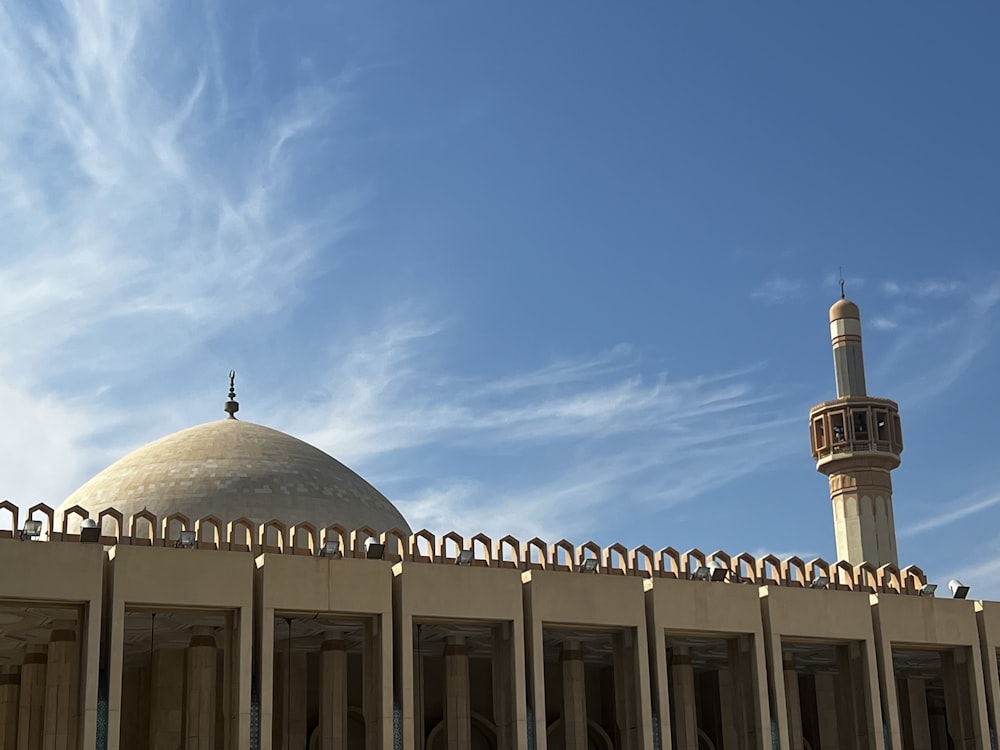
(842, 294)
(232, 405)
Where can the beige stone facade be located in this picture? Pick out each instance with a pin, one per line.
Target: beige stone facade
(232, 588)
(229, 645)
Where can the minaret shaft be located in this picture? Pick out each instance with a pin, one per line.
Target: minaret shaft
(848, 358)
(857, 441)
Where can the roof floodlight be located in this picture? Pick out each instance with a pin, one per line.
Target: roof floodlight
(32, 529)
(589, 565)
(330, 548)
(90, 532)
(820, 582)
(719, 571)
(186, 539)
(374, 550)
(927, 589)
(465, 557)
(714, 571)
(958, 589)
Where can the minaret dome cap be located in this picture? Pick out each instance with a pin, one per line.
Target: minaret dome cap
(844, 308)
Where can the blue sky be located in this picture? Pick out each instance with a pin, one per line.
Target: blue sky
(553, 268)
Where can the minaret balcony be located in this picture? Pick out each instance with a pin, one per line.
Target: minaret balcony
(856, 426)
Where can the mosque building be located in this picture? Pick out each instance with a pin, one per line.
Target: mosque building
(230, 587)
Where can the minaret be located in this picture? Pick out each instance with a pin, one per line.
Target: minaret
(856, 441)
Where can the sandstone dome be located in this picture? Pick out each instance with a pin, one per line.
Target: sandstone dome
(232, 469)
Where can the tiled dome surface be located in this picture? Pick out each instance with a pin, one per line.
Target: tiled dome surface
(233, 468)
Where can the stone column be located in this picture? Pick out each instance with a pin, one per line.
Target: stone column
(31, 701)
(166, 699)
(199, 714)
(333, 693)
(792, 702)
(503, 686)
(10, 688)
(457, 710)
(939, 728)
(61, 710)
(915, 694)
(958, 697)
(683, 700)
(574, 687)
(626, 694)
(737, 696)
(419, 732)
(290, 700)
(826, 710)
(371, 667)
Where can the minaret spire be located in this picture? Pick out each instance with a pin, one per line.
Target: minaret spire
(857, 441)
(232, 405)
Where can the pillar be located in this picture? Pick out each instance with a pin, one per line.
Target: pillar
(61, 709)
(333, 693)
(503, 686)
(290, 700)
(457, 710)
(915, 694)
(419, 731)
(737, 695)
(939, 728)
(826, 711)
(729, 707)
(574, 695)
(849, 724)
(792, 702)
(10, 688)
(626, 689)
(31, 700)
(166, 698)
(683, 700)
(199, 714)
(371, 667)
(958, 697)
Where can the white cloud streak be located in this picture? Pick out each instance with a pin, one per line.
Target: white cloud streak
(144, 211)
(941, 339)
(561, 438)
(779, 289)
(126, 198)
(952, 514)
(922, 289)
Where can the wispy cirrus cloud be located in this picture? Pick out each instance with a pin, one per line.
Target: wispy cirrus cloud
(779, 289)
(926, 288)
(882, 323)
(935, 343)
(125, 196)
(559, 438)
(953, 513)
(146, 209)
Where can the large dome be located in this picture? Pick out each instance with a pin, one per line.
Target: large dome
(232, 469)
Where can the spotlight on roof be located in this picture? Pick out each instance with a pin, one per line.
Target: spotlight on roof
(820, 582)
(186, 539)
(465, 557)
(958, 589)
(90, 532)
(927, 589)
(589, 565)
(374, 550)
(330, 548)
(714, 571)
(32, 530)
